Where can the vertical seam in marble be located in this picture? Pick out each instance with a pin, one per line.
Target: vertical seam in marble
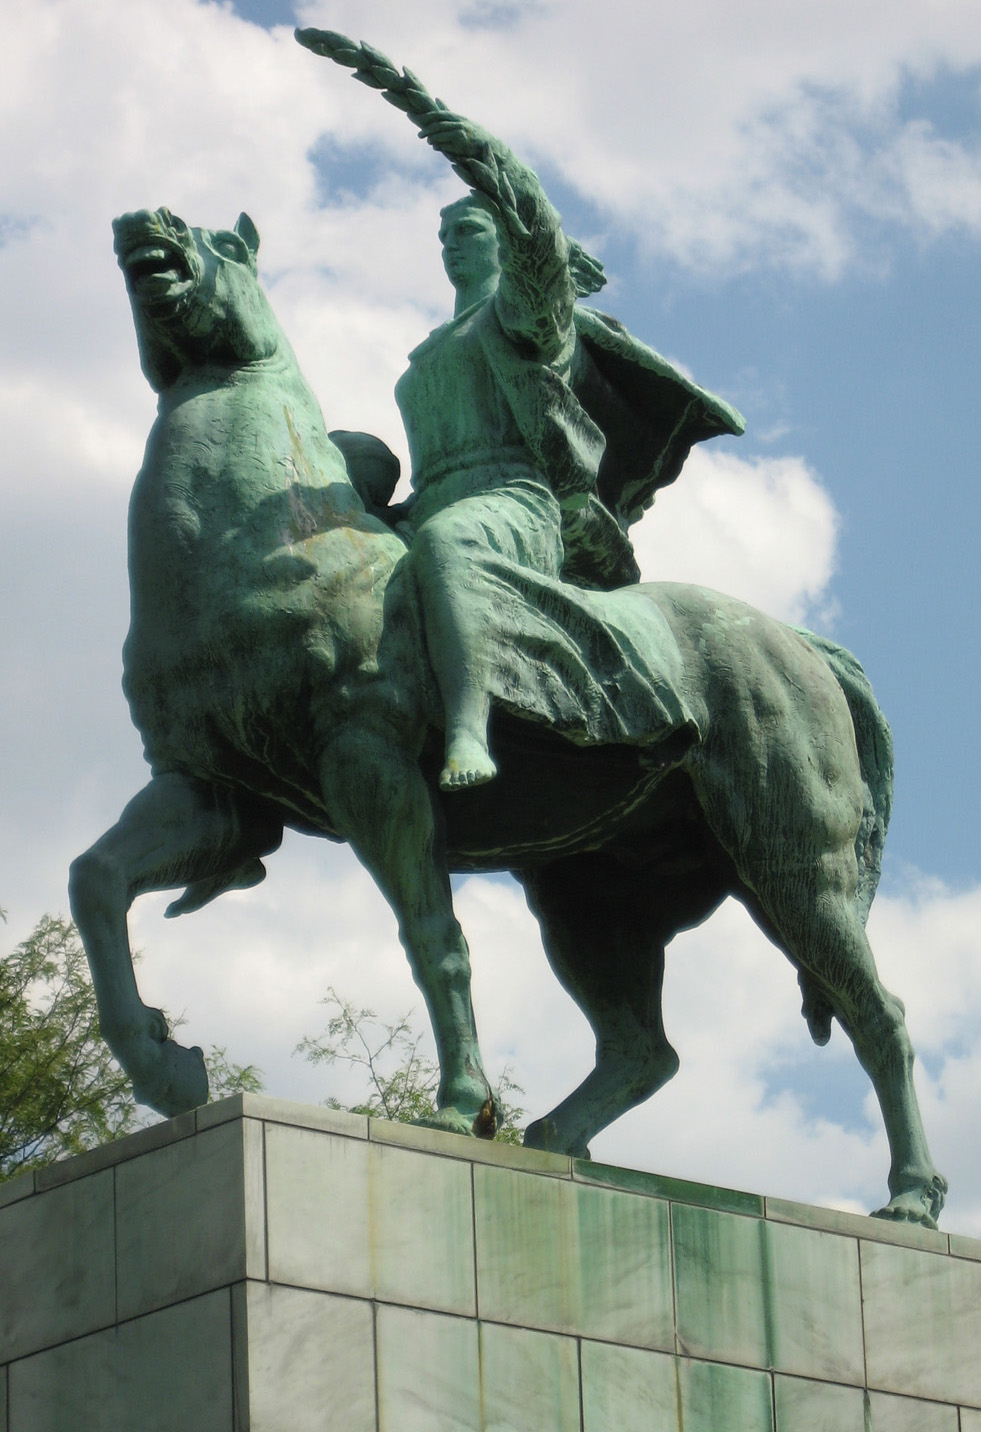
(582, 1399)
(861, 1310)
(672, 1270)
(374, 1350)
(473, 1226)
(115, 1251)
(237, 1424)
(679, 1400)
(772, 1379)
(265, 1207)
(766, 1277)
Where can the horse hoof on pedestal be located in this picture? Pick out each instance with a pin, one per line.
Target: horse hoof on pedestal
(175, 1082)
(544, 1134)
(448, 1121)
(920, 1205)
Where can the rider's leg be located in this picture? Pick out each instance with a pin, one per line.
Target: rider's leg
(466, 558)
(455, 637)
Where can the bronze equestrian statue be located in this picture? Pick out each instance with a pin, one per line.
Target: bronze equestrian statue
(645, 750)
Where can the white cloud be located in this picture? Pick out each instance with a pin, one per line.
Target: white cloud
(763, 529)
(721, 138)
(941, 180)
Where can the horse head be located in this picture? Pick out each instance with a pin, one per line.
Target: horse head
(194, 292)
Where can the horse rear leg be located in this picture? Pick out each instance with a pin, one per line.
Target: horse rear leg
(822, 931)
(604, 928)
(380, 803)
(177, 831)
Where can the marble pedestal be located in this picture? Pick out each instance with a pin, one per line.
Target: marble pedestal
(264, 1267)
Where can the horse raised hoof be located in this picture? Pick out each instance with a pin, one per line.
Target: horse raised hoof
(170, 1079)
(921, 1204)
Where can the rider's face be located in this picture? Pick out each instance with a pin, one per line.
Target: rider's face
(470, 247)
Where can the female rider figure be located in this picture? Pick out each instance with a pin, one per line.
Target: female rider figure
(490, 421)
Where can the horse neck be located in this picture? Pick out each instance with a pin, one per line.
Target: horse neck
(261, 410)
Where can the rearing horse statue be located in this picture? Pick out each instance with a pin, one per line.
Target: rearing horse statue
(276, 668)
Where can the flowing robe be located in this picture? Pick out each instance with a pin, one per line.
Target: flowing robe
(513, 412)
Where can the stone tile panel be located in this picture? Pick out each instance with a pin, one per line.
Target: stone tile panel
(803, 1406)
(528, 1381)
(16, 1188)
(857, 1225)
(573, 1258)
(281, 1111)
(369, 1220)
(767, 1295)
(459, 1146)
(303, 1360)
(719, 1263)
(189, 1218)
(717, 1398)
(922, 1323)
(428, 1372)
(628, 1388)
(637, 1391)
(678, 1190)
(814, 1312)
(168, 1131)
(908, 1414)
(168, 1372)
(57, 1266)
(965, 1247)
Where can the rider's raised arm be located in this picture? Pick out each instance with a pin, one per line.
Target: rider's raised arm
(536, 293)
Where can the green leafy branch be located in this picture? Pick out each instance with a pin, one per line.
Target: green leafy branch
(477, 165)
(402, 1082)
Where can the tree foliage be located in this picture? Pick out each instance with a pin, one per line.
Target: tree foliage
(401, 1080)
(61, 1091)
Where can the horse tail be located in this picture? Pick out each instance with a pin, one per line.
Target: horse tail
(875, 754)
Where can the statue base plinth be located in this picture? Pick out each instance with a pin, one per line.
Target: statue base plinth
(264, 1267)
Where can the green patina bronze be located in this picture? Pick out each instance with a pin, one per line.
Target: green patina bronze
(473, 680)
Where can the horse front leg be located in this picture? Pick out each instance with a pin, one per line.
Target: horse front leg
(380, 803)
(176, 831)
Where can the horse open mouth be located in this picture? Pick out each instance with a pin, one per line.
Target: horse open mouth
(157, 270)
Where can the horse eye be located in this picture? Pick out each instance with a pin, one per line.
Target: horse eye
(229, 245)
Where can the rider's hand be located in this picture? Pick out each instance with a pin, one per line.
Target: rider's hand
(455, 136)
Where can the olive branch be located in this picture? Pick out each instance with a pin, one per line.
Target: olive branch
(406, 92)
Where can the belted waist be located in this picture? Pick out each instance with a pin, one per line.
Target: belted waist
(493, 456)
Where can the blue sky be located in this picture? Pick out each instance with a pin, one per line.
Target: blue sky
(788, 202)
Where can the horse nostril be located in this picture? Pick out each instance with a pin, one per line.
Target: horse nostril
(140, 218)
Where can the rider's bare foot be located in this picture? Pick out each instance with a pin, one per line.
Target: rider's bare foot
(468, 763)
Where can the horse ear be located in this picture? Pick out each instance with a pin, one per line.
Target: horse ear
(248, 233)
